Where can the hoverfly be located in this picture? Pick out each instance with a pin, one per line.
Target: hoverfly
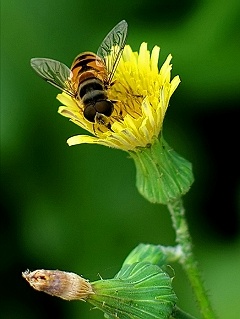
(90, 75)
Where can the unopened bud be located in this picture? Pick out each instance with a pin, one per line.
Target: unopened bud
(65, 285)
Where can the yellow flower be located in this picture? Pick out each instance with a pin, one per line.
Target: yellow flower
(142, 93)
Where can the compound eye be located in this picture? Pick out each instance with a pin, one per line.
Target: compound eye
(104, 107)
(89, 113)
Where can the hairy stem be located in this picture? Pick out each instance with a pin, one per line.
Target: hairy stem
(188, 260)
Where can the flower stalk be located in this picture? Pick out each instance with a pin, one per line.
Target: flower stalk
(188, 260)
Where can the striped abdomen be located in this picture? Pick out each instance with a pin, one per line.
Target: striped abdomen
(90, 76)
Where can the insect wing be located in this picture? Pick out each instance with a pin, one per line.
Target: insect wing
(112, 47)
(54, 72)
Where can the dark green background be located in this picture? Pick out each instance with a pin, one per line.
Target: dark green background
(77, 208)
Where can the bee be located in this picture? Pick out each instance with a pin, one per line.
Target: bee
(90, 76)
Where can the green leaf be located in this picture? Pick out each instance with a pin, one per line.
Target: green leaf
(148, 253)
(139, 291)
(154, 254)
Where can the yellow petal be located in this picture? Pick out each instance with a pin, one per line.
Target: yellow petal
(142, 94)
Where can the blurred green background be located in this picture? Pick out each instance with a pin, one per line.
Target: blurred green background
(77, 208)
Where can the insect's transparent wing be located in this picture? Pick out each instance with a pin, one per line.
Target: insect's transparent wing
(112, 47)
(54, 72)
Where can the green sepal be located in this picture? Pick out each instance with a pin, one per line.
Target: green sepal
(161, 174)
(138, 291)
(154, 254)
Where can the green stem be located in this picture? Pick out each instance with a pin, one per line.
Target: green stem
(188, 260)
(180, 314)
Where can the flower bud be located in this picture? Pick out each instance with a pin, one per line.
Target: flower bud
(65, 285)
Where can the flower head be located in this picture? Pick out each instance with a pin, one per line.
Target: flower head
(142, 94)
